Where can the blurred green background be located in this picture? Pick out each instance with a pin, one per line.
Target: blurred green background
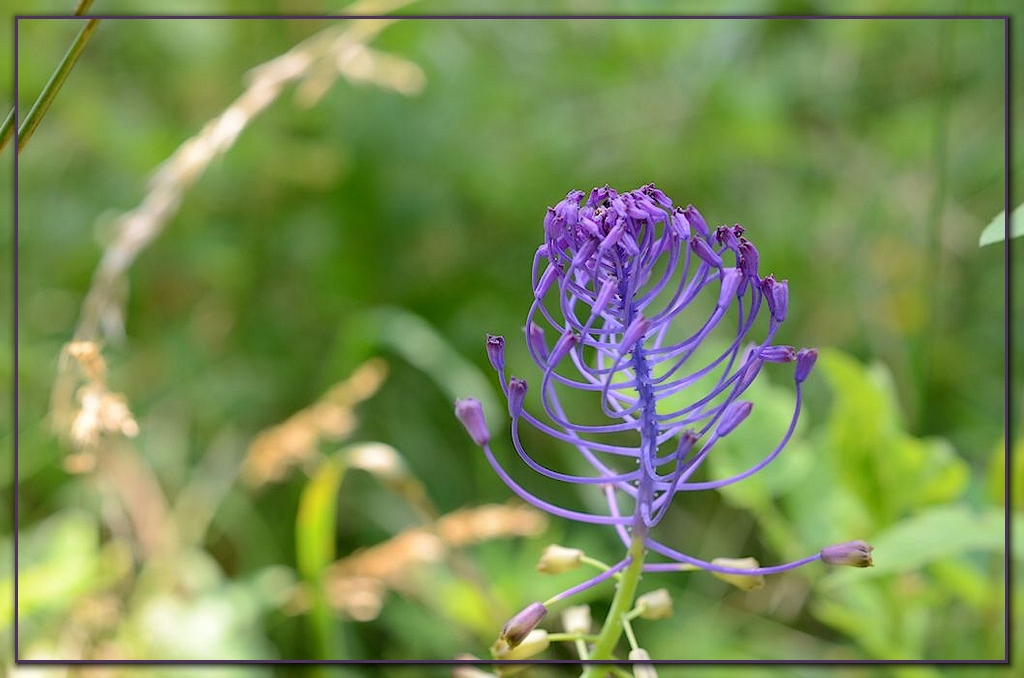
(864, 157)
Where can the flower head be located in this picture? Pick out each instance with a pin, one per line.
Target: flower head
(628, 291)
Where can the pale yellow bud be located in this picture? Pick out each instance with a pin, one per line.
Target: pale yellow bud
(642, 670)
(557, 559)
(576, 619)
(745, 582)
(655, 604)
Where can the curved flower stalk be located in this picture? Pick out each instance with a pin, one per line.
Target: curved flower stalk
(627, 288)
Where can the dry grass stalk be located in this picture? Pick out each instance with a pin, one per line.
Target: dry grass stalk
(274, 451)
(338, 51)
(357, 583)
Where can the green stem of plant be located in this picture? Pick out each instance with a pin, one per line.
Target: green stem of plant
(610, 634)
(49, 93)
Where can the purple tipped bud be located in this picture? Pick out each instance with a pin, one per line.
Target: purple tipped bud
(471, 414)
(680, 225)
(552, 224)
(605, 295)
(496, 352)
(550, 275)
(696, 220)
(734, 415)
(704, 251)
(519, 626)
(634, 332)
(776, 293)
(777, 354)
(535, 337)
(731, 279)
(590, 227)
(750, 373)
(727, 236)
(584, 253)
(563, 346)
(748, 258)
(656, 195)
(614, 235)
(853, 553)
(516, 396)
(805, 359)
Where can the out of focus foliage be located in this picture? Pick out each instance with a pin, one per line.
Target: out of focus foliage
(377, 237)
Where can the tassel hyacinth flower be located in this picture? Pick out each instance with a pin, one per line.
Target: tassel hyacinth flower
(627, 288)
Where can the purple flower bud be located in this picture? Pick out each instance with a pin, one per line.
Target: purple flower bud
(733, 416)
(563, 346)
(776, 294)
(656, 195)
(731, 279)
(696, 220)
(853, 553)
(552, 224)
(777, 354)
(605, 295)
(748, 258)
(725, 235)
(516, 396)
(471, 414)
(547, 279)
(496, 352)
(680, 225)
(805, 359)
(535, 338)
(704, 251)
(750, 372)
(634, 333)
(519, 626)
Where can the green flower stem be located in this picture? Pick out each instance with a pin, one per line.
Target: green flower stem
(621, 604)
(49, 93)
(567, 637)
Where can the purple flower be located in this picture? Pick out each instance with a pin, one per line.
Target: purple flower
(627, 290)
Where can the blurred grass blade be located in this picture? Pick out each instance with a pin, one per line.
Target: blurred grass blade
(7, 128)
(49, 93)
(996, 230)
(415, 340)
(314, 550)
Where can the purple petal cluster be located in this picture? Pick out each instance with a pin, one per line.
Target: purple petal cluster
(626, 288)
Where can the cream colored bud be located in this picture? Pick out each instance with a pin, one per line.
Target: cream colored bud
(577, 619)
(655, 604)
(467, 670)
(745, 582)
(557, 559)
(642, 670)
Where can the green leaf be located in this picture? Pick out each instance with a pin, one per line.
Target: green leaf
(996, 229)
(888, 470)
